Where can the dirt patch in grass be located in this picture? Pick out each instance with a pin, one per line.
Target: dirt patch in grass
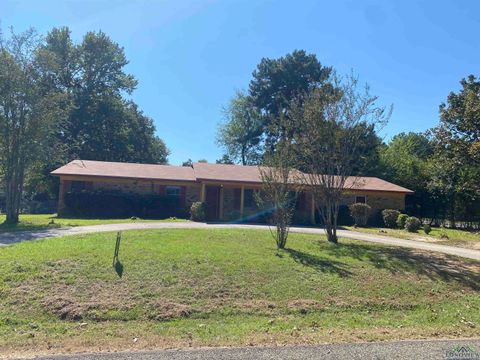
(304, 306)
(67, 308)
(166, 310)
(66, 304)
(255, 305)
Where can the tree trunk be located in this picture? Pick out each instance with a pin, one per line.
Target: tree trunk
(14, 189)
(332, 235)
(331, 225)
(452, 213)
(12, 202)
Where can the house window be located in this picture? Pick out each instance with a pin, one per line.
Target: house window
(361, 199)
(173, 191)
(77, 186)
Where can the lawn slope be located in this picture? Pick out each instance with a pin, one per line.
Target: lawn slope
(177, 288)
(469, 239)
(34, 222)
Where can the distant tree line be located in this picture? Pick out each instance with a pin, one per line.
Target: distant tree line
(60, 101)
(441, 165)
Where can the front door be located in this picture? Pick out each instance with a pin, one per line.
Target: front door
(212, 198)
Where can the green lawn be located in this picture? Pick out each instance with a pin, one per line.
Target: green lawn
(180, 288)
(48, 221)
(445, 236)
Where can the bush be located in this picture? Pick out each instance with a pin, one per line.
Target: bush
(118, 204)
(344, 217)
(360, 213)
(402, 218)
(412, 224)
(390, 217)
(427, 228)
(198, 211)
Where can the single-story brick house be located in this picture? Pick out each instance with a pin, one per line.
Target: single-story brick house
(228, 190)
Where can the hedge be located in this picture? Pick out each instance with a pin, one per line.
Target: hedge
(116, 204)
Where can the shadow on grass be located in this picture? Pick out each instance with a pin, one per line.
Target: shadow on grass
(118, 268)
(319, 264)
(399, 260)
(25, 226)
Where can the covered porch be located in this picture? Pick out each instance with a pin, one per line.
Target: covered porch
(237, 202)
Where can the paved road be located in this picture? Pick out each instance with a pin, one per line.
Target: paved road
(426, 350)
(15, 237)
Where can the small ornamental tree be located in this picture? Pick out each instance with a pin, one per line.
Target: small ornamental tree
(278, 192)
(330, 124)
(390, 217)
(360, 213)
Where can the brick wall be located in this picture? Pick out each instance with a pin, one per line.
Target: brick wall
(379, 200)
(136, 186)
(192, 194)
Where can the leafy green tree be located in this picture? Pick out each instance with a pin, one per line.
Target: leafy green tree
(330, 126)
(406, 161)
(249, 131)
(366, 160)
(276, 82)
(241, 133)
(225, 160)
(189, 163)
(101, 123)
(28, 113)
(456, 165)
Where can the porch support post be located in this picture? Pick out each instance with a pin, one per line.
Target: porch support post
(61, 197)
(242, 198)
(220, 210)
(312, 210)
(202, 193)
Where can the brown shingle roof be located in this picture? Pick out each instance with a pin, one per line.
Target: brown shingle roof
(200, 171)
(232, 173)
(251, 174)
(374, 184)
(126, 170)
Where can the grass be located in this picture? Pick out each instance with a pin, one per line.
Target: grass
(445, 236)
(180, 288)
(49, 221)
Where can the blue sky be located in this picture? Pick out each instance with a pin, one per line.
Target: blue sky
(191, 56)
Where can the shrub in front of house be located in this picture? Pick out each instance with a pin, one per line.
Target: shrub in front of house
(118, 204)
(360, 213)
(390, 217)
(198, 211)
(412, 224)
(427, 229)
(344, 217)
(402, 218)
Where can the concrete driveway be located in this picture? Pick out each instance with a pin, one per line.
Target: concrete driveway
(15, 237)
